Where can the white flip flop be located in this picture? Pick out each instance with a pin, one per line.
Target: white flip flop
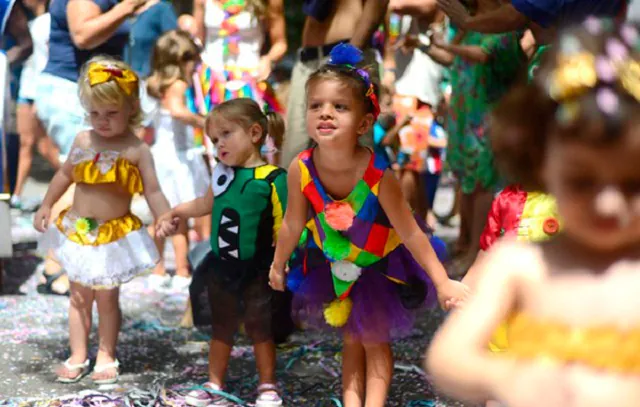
(101, 368)
(82, 367)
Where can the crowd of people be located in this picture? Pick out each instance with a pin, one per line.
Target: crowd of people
(317, 196)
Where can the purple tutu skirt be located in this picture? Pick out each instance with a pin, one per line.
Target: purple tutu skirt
(382, 309)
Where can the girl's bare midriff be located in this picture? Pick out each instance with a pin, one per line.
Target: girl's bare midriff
(340, 25)
(101, 202)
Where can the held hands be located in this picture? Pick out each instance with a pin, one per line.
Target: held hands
(41, 219)
(451, 293)
(167, 224)
(277, 278)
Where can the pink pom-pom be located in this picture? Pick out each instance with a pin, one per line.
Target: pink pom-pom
(339, 215)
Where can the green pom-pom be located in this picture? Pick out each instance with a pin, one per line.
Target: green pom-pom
(335, 245)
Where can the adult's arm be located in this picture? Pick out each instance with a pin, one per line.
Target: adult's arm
(505, 18)
(18, 28)
(413, 7)
(372, 15)
(90, 27)
(277, 30)
(198, 16)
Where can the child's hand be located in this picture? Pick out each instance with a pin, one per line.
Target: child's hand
(167, 225)
(41, 218)
(277, 278)
(451, 292)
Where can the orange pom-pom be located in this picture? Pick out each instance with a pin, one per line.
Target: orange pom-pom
(339, 215)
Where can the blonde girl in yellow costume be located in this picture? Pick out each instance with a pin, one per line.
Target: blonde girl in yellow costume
(571, 301)
(97, 240)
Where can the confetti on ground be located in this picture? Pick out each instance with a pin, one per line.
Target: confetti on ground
(161, 361)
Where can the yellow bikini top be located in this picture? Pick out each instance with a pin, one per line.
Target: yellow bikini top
(105, 167)
(600, 347)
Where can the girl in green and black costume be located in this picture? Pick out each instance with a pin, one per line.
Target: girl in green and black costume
(247, 200)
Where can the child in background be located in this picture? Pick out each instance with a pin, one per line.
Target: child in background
(247, 200)
(179, 163)
(98, 241)
(435, 158)
(571, 302)
(369, 282)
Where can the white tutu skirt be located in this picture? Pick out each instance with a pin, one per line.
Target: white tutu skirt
(183, 175)
(104, 266)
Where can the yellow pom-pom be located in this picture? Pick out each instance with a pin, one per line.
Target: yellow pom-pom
(337, 313)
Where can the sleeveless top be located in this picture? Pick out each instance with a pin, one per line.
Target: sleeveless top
(105, 167)
(234, 38)
(354, 229)
(247, 214)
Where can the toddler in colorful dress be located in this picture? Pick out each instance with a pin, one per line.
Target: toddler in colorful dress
(362, 276)
(98, 241)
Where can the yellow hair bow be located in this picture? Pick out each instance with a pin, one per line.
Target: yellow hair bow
(125, 78)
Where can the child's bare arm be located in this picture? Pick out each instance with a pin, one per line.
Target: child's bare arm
(197, 208)
(408, 230)
(417, 242)
(458, 358)
(174, 101)
(61, 181)
(295, 218)
(153, 194)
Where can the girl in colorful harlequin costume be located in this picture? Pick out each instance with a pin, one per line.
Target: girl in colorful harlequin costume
(97, 240)
(247, 200)
(179, 162)
(366, 280)
(571, 302)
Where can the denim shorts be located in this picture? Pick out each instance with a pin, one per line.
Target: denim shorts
(58, 108)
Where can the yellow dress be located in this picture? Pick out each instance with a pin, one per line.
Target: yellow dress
(101, 254)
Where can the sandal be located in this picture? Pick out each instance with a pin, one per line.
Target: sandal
(268, 396)
(101, 368)
(47, 286)
(209, 394)
(82, 367)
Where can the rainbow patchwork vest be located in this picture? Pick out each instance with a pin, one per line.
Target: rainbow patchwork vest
(354, 232)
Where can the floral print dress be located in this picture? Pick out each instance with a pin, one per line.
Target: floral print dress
(476, 87)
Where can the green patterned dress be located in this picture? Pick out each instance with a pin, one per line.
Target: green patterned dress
(476, 87)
